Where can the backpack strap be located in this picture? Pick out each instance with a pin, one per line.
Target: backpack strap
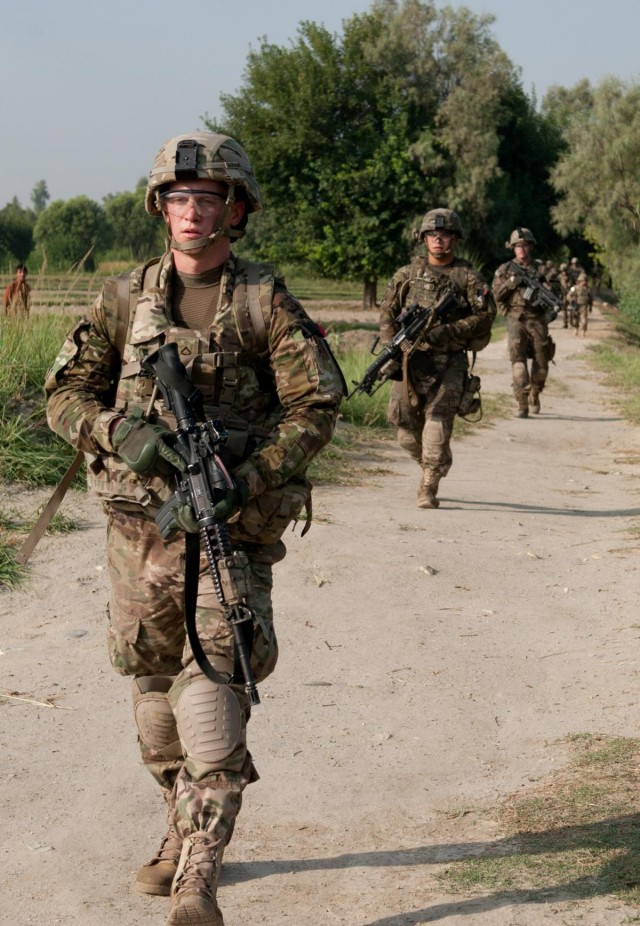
(255, 309)
(123, 310)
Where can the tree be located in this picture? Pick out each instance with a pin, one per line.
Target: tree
(521, 194)
(16, 231)
(598, 175)
(353, 138)
(130, 226)
(40, 197)
(70, 231)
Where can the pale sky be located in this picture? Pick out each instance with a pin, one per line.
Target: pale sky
(91, 90)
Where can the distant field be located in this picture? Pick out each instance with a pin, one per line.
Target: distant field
(68, 291)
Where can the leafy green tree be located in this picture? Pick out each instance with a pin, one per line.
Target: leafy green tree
(521, 194)
(130, 226)
(16, 231)
(598, 175)
(354, 137)
(40, 197)
(70, 232)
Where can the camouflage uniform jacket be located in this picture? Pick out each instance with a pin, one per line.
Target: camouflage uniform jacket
(581, 295)
(419, 282)
(565, 282)
(466, 328)
(279, 404)
(511, 298)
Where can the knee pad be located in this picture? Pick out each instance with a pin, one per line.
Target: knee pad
(153, 715)
(409, 442)
(210, 722)
(520, 375)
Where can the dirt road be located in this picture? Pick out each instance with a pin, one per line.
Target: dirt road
(431, 661)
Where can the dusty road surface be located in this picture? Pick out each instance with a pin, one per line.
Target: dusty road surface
(431, 663)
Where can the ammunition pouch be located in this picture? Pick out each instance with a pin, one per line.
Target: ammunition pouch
(470, 406)
(265, 517)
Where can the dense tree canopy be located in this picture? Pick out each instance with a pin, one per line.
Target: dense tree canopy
(69, 232)
(598, 175)
(16, 232)
(130, 227)
(354, 137)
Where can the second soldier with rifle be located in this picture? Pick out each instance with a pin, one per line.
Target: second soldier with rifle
(271, 389)
(434, 375)
(529, 306)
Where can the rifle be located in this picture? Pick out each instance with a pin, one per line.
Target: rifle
(415, 321)
(536, 294)
(204, 483)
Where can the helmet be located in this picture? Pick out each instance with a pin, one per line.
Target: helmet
(582, 276)
(574, 260)
(518, 235)
(564, 266)
(441, 220)
(204, 156)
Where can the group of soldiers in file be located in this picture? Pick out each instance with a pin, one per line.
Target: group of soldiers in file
(264, 375)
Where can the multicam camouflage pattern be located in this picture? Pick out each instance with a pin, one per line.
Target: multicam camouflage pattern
(520, 235)
(418, 282)
(217, 157)
(510, 297)
(441, 220)
(277, 392)
(279, 406)
(146, 636)
(527, 331)
(423, 406)
(582, 298)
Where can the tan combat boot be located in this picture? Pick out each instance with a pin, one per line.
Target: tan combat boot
(523, 406)
(534, 402)
(156, 877)
(196, 882)
(427, 491)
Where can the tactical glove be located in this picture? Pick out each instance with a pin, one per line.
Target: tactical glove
(232, 500)
(184, 519)
(180, 516)
(146, 447)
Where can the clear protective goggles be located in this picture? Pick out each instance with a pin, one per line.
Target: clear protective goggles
(178, 202)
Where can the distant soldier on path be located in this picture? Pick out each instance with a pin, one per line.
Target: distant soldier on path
(527, 326)
(426, 398)
(583, 298)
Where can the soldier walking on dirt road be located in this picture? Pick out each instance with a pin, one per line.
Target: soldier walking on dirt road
(268, 378)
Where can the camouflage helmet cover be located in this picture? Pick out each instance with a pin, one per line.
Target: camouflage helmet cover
(441, 220)
(582, 277)
(518, 235)
(564, 266)
(203, 156)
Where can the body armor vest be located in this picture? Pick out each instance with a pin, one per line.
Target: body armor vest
(228, 362)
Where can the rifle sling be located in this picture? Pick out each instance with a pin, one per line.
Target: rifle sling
(49, 511)
(191, 582)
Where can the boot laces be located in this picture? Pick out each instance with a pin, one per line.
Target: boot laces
(200, 865)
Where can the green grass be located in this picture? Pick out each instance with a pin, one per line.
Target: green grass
(621, 363)
(29, 452)
(576, 836)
